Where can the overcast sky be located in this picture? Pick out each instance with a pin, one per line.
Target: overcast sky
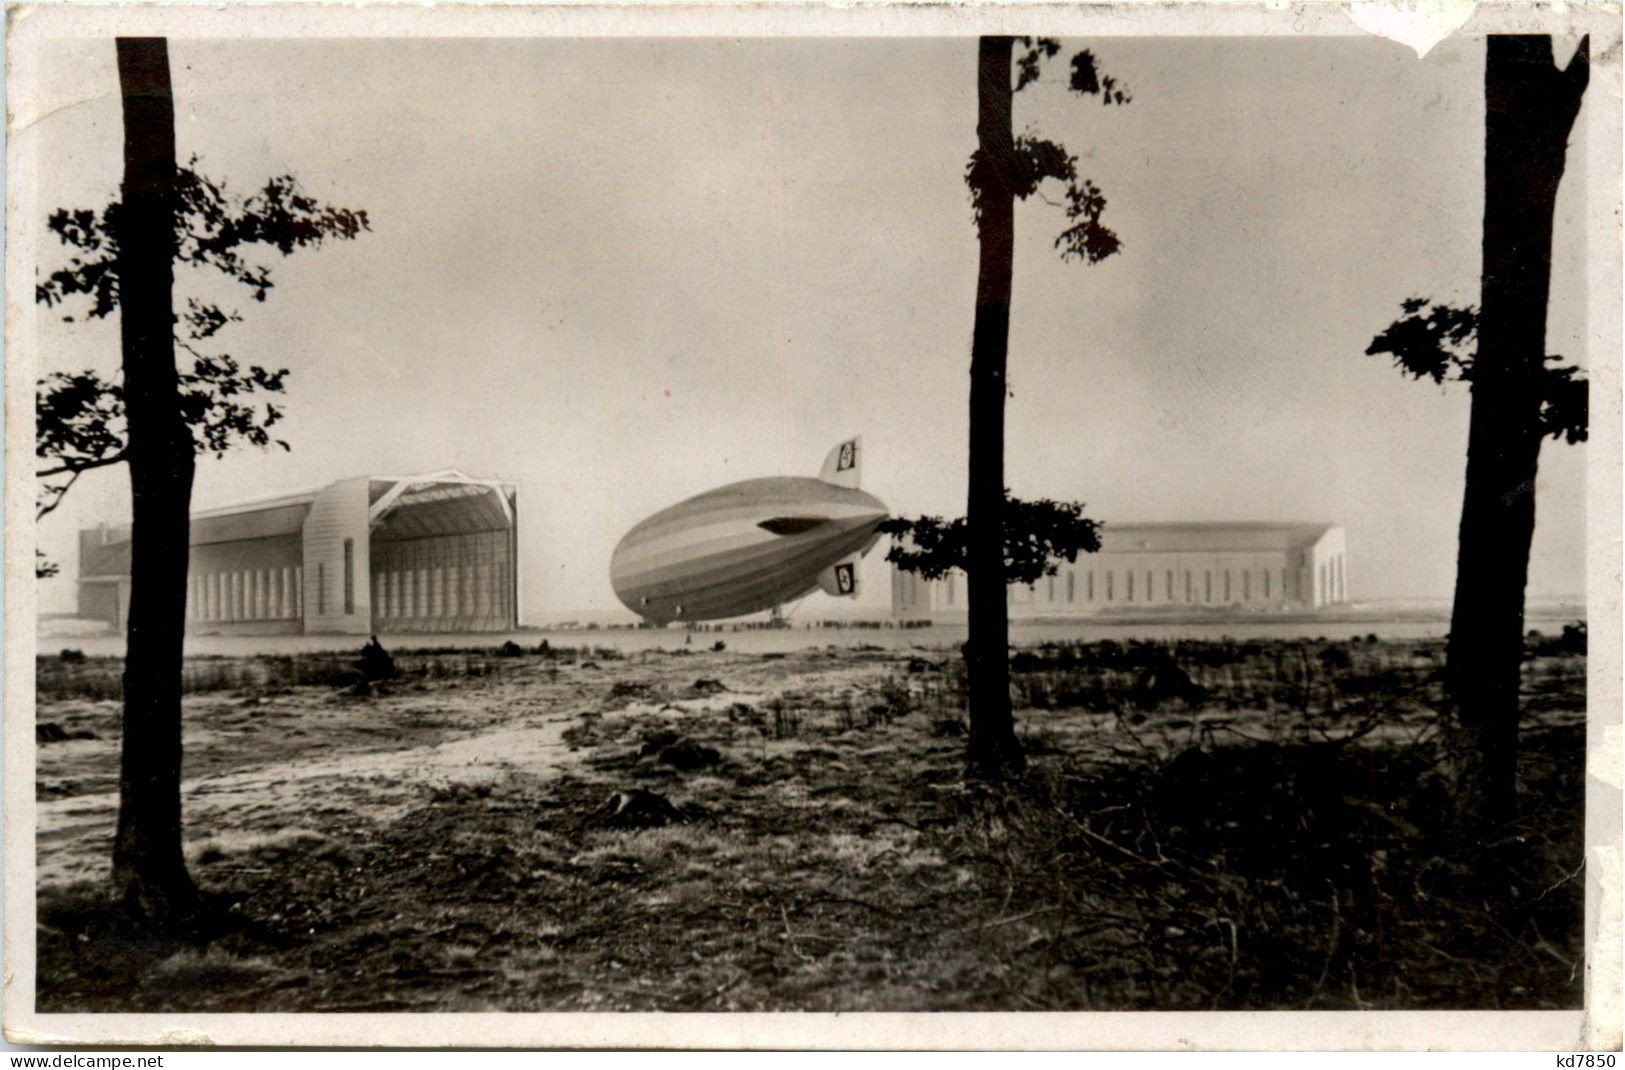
(619, 273)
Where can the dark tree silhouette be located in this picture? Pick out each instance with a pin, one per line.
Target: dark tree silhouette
(1520, 395)
(1005, 167)
(155, 418)
(149, 871)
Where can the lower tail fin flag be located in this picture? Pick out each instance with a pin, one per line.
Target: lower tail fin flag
(840, 579)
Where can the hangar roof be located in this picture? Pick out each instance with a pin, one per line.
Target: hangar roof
(255, 523)
(466, 504)
(1210, 537)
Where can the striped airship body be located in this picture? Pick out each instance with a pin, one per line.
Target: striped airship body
(749, 546)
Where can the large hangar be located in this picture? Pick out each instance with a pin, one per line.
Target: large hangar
(429, 553)
(1169, 567)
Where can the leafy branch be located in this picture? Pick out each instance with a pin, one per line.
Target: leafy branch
(1037, 159)
(211, 228)
(1038, 536)
(1440, 342)
(80, 415)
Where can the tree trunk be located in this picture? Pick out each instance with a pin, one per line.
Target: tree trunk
(149, 870)
(992, 749)
(1530, 107)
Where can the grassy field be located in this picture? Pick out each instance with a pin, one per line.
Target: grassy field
(1205, 825)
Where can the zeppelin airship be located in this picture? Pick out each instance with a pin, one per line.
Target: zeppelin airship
(750, 546)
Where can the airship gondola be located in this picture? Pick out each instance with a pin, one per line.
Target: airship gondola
(750, 546)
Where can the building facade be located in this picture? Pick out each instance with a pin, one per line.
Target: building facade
(1166, 568)
(429, 553)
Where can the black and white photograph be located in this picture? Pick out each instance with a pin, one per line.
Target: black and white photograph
(701, 514)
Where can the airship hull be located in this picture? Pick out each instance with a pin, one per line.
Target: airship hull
(742, 548)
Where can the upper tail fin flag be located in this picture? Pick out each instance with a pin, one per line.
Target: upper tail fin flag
(844, 465)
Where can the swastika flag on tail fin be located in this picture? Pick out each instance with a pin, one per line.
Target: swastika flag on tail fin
(844, 464)
(840, 579)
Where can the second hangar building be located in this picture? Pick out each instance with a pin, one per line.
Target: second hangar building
(1167, 567)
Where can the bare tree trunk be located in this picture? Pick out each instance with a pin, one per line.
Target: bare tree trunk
(993, 748)
(1530, 107)
(149, 870)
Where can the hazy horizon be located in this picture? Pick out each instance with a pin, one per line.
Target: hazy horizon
(621, 272)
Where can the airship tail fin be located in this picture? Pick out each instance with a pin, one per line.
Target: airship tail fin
(844, 465)
(841, 579)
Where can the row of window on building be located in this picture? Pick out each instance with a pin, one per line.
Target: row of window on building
(1330, 578)
(1191, 586)
(257, 594)
(475, 590)
(1153, 585)
(246, 595)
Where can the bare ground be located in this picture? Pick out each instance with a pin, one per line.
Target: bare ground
(1280, 838)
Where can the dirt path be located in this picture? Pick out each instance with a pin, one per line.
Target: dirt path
(303, 763)
(238, 811)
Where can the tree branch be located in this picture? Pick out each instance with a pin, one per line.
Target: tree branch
(54, 496)
(1577, 75)
(81, 465)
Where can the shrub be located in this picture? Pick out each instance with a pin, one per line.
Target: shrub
(375, 662)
